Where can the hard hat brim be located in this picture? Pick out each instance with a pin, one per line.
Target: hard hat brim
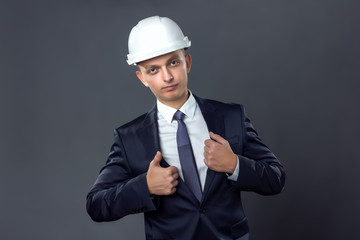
(136, 58)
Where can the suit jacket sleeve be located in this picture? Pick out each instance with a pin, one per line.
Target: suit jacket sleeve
(260, 170)
(117, 192)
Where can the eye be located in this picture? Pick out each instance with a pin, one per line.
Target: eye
(174, 63)
(152, 70)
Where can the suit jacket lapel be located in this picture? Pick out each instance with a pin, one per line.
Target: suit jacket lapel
(215, 123)
(214, 119)
(148, 134)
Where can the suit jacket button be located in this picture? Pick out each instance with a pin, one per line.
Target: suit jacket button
(202, 210)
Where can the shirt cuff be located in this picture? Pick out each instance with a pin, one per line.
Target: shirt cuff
(235, 174)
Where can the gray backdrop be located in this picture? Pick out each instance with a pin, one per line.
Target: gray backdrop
(65, 85)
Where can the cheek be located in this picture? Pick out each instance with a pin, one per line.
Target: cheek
(153, 85)
(181, 75)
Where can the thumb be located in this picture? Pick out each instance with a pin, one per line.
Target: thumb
(156, 160)
(217, 138)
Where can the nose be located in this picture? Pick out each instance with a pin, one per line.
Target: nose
(167, 76)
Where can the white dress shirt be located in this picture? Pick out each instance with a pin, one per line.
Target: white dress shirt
(198, 133)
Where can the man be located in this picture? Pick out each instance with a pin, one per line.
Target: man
(185, 162)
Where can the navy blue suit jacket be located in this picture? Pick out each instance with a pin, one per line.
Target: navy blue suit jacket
(121, 187)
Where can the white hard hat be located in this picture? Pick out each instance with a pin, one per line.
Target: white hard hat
(155, 36)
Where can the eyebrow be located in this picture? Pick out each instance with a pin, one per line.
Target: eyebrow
(171, 58)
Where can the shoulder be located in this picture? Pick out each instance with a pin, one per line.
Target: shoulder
(140, 122)
(135, 122)
(219, 106)
(134, 126)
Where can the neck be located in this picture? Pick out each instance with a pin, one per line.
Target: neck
(177, 104)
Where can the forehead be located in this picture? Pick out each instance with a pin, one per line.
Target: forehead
(163, 58)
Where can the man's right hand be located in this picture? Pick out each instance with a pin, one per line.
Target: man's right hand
(161, 181)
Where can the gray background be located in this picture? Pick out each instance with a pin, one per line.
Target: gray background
(65, 86)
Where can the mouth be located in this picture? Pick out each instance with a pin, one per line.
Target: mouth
(170, 88)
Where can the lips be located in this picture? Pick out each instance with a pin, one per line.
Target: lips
(170, 88)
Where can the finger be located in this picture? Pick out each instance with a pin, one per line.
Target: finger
(175, 183)
(218, 138)
(172, 191)
(173, 169)
(207, 157)
(175, 175)
(207, 142)
(157, 158)
(210, 143)
(206, 162)
(206, 149)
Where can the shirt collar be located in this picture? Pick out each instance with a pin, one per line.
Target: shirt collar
(188, 109)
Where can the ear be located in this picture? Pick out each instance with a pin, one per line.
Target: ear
(141, 78)
(188, 62)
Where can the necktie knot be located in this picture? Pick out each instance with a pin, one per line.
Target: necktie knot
(179, 115)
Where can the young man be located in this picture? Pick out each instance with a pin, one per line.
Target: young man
(186, 161)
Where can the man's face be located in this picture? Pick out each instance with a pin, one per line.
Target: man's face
(166, 76)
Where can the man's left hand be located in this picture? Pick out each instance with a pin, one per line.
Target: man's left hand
(218, 154)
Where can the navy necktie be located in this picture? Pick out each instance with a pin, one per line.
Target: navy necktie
(186, 156)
